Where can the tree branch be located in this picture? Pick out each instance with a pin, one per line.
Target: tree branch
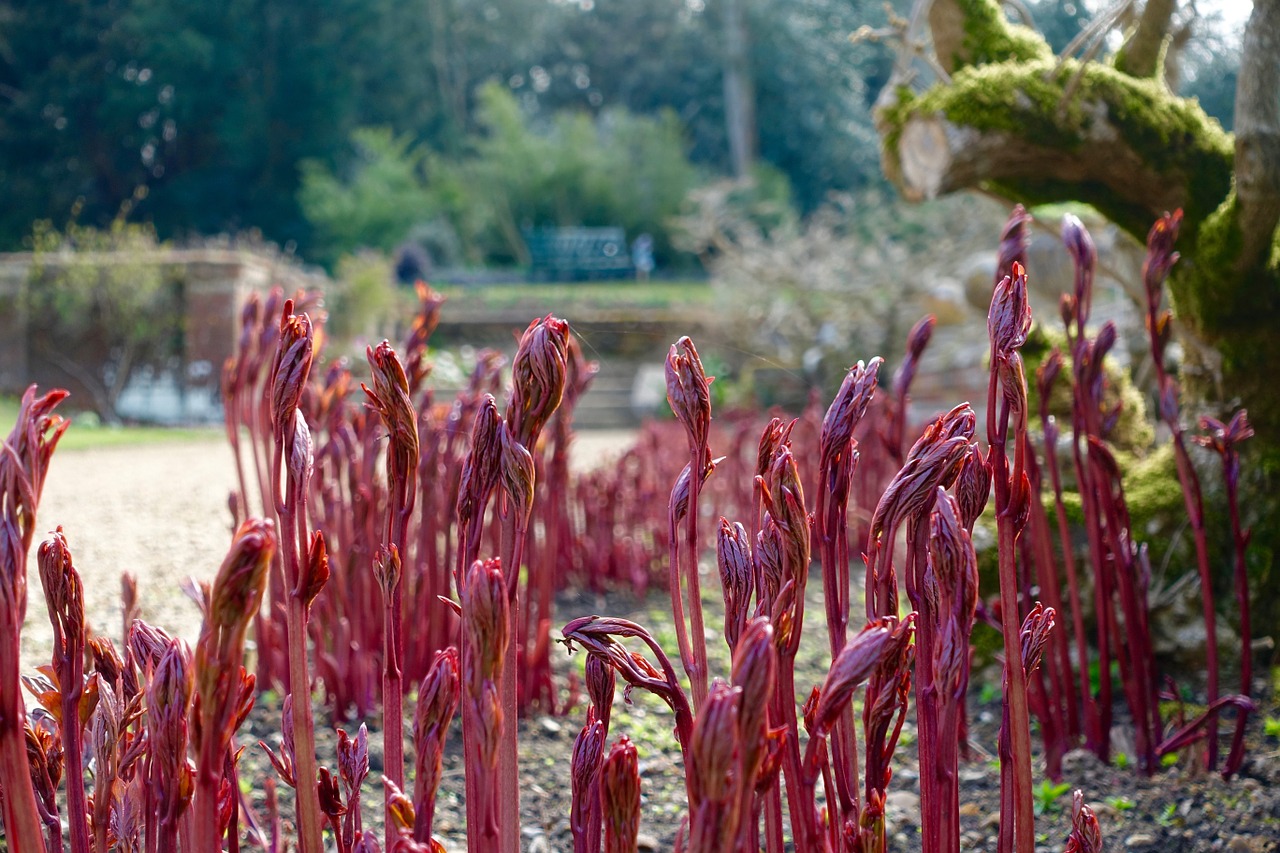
(974, 32)
(1124, 145)
(1140, 56)
(1257, 128)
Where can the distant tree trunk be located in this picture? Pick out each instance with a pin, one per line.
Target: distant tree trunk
(739, 90)
(1015, 120)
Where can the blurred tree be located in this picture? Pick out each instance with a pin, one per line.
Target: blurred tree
(810, 89)
(99, 323)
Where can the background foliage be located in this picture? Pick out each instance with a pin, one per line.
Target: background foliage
(256, 114)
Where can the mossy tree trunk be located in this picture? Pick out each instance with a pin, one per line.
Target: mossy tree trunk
(1013, 119)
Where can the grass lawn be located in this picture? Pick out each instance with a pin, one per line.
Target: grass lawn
(87, 433)
(604, 294)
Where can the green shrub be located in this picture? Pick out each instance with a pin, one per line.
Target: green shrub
(614, 169)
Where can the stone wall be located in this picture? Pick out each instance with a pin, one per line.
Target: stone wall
(212, 283)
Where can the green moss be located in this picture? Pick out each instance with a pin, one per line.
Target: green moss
(989, 37)
(1152, 489)
(1025, 99)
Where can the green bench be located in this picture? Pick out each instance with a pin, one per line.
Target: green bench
(578, 254)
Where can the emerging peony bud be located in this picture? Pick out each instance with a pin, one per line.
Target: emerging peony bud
(1086, 835)
(241, 580)
(851, 402)
(537, 378)
(858, 660)
(775, 436)
(733, 556)
(620, 797)
(389, 397)
(315, 574)
(755, 669)
(1035, 636)
(1009, 319)
(1080, 245)
(1014, 239)
(438, 699)
(689, 392)
(480, 471)
(973, 486)
(386, 569)
(517, 474)
(713, 770)
(330, 795)
(291, 367)
(600, 687)
(1160, 255)
(484, 622)
(584, 773)
(400, 808)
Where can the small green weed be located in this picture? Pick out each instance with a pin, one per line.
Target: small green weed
(1047, 795)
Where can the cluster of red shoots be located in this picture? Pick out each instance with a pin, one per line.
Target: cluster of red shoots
(471, 523)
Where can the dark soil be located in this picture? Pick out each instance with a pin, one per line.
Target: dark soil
(1180, 808)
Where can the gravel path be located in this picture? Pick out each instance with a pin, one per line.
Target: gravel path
(157, 511)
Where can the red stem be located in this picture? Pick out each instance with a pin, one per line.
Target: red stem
(1021, 814)
(1239, 542)
(1073, 584)
(292, 531)
(21, 821)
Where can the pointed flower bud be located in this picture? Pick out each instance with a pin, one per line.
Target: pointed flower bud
(386, 569)
(241, 580)
(438, 699)
(1086, 835)
(876, 643)
(601, 685)
(1080, 246)
(481, 469)
(848, 407)
(517, 474)
(1035, 635)
(689, 392)
(584, 774)
(775, 435)
(537, 378)
(1014, 239)
(620, 796)
(917, 339)
(1160, 255)
(1009, 319)
(389, 397)
(733, 556)
(713, 770)
(291, 367)
(755, 670)
(330, 796)
(315, 574)
(353, 760)
(973, 486)
(484, 623)
(1047, 374)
